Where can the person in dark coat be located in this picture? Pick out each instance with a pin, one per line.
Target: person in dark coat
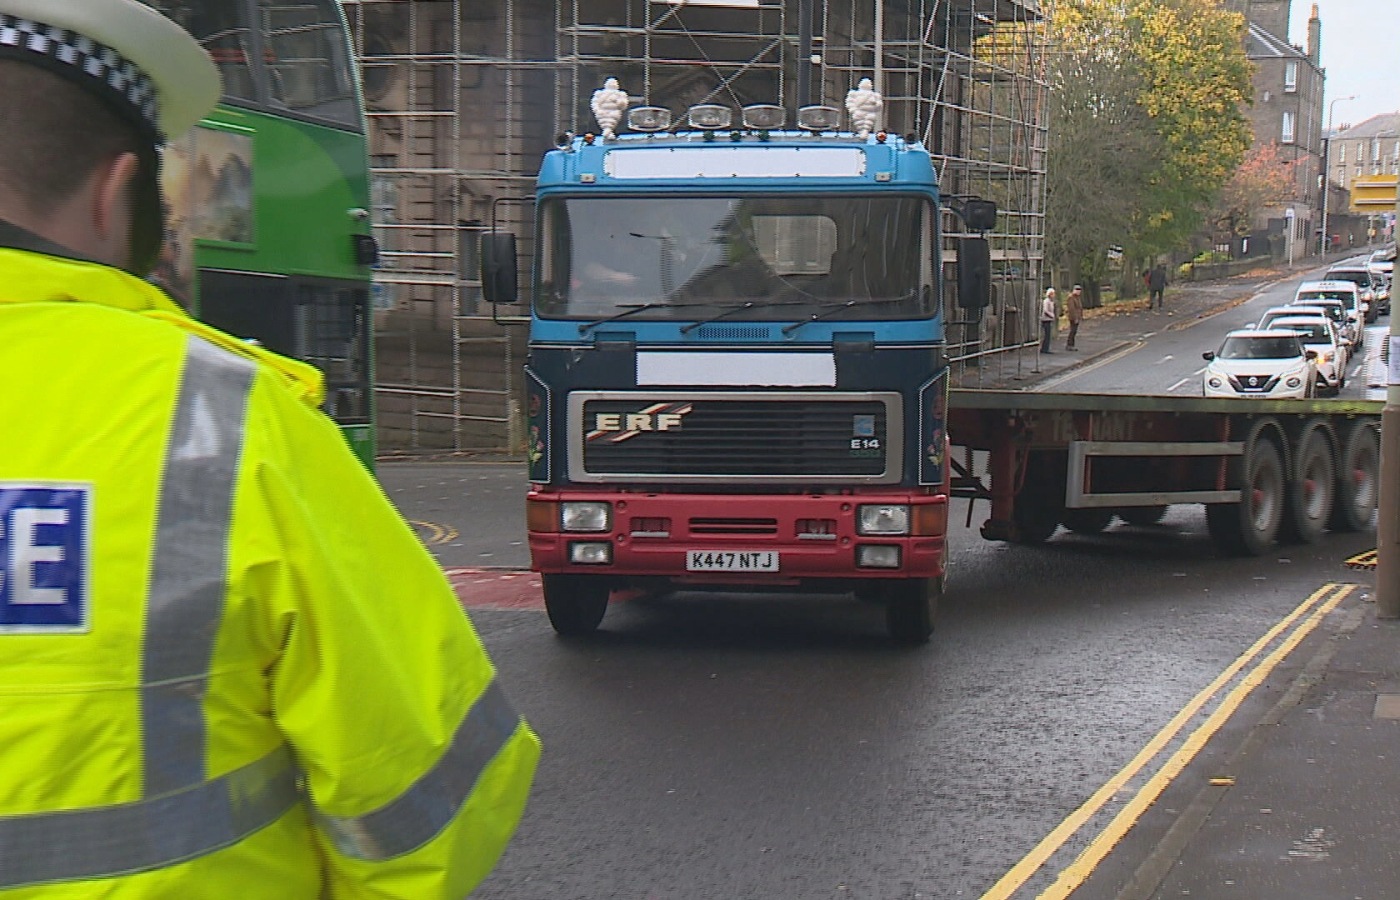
(1156, 286)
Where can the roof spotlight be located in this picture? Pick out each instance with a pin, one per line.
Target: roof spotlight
(710, 116)
(764, 117)
(819, 118)
(649, 118)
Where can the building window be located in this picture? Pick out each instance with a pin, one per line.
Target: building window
(1290, 76)
(1342, 153)
(1288, 127)
(1375, 150)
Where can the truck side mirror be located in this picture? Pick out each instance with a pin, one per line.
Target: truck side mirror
(974, 273)
(980, 215)
(498, 264)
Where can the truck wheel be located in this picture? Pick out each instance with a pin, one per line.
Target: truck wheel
(1086, 521)
(575, 603)
(1248, 528)
(1311, 490)
(1358, 480)
(910, 607)
(1142, 516)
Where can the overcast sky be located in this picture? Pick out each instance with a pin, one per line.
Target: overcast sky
(1360, 51)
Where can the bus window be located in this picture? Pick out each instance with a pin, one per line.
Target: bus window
(223, 30)
(309, 60)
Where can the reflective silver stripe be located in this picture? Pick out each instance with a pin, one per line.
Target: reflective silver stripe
(422, 811)
(148, 834)
(189, 568)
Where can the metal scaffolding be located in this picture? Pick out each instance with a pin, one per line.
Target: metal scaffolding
(443, 83)
(465, 96)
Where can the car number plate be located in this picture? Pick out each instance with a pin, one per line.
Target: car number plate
(731, 560)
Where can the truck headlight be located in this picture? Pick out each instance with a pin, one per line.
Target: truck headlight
(585, 516)
(877, 556)
(882, 518)
(1214, 381)
(590, 553)
(1293, 381)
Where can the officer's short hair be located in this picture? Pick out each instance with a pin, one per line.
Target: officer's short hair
(53, 135)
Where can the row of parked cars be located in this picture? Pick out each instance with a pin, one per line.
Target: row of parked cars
(1303, 349)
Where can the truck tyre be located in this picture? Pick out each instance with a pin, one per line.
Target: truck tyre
(1311, 489)
(1142, 516)
(575, 603)
(1248, 528)
(910, 607)
(1358, 480)
(1086, 521)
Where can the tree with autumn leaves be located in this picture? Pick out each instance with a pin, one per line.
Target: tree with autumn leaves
(1146, 127)
(1265, 178)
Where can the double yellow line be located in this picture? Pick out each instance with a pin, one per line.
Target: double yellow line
(1311, 612)
(436, 534)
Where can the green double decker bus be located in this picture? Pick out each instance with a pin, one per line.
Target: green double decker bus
(268, 234)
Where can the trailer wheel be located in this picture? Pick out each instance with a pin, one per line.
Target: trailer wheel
(1312, 489)
(1248, 528)
(1142, 516)
(575, 603)
(910, 607)
(1358, 480)
(1086, 521)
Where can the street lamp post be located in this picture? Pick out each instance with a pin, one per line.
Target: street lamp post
(1289, 216)
(1327, 170)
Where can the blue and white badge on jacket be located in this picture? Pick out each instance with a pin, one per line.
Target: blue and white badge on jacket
(45, 558)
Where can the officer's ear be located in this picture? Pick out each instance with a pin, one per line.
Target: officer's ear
(112, 207)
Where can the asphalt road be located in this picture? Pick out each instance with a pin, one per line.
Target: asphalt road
(1168, 361)
(777, 746)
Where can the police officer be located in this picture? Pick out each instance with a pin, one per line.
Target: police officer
(227, 666)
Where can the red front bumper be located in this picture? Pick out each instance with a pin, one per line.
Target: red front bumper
(814, 536)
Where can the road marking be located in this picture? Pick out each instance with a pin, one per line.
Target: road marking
(437, 534)
(1180, 383)
(1365, 560)
(1075, 875)
(1048, 383)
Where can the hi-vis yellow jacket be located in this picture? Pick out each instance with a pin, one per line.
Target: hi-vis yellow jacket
(228, 669)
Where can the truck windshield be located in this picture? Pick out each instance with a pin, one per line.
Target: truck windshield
(765, 258)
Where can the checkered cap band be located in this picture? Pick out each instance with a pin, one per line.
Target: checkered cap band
(99, 62)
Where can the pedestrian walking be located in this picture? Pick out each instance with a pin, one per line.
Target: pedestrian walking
(230, 667)
(1049, 313)
(1074, 311)
(1156, 286)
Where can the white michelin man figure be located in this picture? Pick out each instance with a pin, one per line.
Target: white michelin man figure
(864, 104)
(609, 103)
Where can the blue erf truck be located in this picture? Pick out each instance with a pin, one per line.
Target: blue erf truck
(737, 381)
(736, 375)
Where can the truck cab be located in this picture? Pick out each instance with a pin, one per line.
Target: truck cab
(736, 376)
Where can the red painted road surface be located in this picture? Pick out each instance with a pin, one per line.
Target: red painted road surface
(496, 588)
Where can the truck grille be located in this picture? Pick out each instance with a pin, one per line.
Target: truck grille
(734, 436)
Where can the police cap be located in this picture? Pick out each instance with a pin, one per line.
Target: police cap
(146, 67)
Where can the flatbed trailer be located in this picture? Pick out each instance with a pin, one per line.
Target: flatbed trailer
(1265, 470)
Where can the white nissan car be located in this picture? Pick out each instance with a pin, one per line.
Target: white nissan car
(1271, 365)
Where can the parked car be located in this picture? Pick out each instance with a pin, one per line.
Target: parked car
(1332, 309)
(1345, 292)
(1365, 282)
(1382, 264)
(1319, 335)
(1266, 364)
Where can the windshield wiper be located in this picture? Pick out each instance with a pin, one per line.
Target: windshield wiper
(585, 327)
(845, 305)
